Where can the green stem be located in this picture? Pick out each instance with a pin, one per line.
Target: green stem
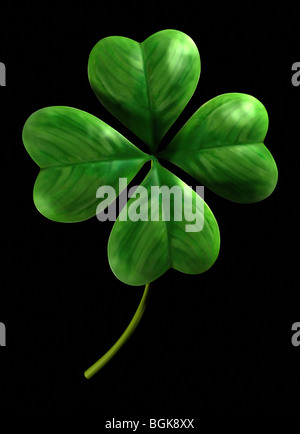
(123, 339)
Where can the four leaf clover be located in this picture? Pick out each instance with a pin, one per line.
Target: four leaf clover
(146, 86)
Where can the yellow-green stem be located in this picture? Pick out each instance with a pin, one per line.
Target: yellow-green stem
(123, 339)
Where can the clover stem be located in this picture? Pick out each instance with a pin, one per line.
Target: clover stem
(123, 339)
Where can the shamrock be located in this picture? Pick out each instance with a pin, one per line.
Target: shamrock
(146, 86)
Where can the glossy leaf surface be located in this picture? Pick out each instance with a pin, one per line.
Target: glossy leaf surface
(141, 251)
(145, 85)
(77, 153)
(222, 147)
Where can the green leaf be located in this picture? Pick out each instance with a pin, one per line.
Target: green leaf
(145, 85)
(77, 153)
(141, 251)
(222, 147)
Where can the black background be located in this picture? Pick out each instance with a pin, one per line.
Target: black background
(216, 342)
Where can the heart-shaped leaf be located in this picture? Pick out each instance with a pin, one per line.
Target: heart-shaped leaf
(221, 145)
(145, 85)
(150, 236)
(77, 153)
